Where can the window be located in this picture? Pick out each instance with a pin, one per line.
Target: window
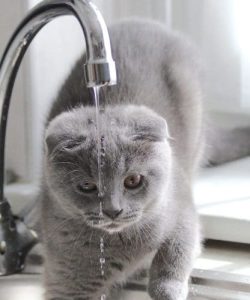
(219, 29)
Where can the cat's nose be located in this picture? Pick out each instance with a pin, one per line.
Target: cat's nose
(112, 214)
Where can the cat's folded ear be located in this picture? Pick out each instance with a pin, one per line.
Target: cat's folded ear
(63, 143)
(148, 126)
(59, 139)
(51, 143)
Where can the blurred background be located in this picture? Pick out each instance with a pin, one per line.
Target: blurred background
(220, 30)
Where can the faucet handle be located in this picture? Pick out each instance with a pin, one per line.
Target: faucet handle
(16, 240)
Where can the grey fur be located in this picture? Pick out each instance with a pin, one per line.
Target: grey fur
(225, 144)
(152, 125)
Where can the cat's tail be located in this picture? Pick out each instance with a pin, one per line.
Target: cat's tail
(225, 145)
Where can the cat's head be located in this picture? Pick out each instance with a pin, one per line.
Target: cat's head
(135, 164)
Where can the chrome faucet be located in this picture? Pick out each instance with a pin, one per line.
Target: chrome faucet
(15, 238)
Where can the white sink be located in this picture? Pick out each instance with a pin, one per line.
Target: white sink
(21, 287)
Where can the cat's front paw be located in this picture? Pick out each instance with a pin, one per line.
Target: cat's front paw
(168, 290)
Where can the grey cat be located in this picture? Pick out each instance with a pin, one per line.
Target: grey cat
(152, 136)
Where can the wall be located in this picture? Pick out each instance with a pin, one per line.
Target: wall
(213, 26)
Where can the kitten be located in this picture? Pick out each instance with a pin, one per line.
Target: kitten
(152, 134)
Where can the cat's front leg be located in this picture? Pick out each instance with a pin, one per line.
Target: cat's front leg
(73, 283)
(172, 264)
(166, 289)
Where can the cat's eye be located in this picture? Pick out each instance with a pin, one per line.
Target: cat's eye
(133, 181)
(87, 187)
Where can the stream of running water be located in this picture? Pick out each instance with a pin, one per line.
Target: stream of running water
(100, 162)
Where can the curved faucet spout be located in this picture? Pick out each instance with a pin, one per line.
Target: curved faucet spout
(99, 70)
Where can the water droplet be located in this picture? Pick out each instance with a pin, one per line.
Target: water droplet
(103, 297)
(102, 260)
(102, 272)
(2, 247)
(100, 194)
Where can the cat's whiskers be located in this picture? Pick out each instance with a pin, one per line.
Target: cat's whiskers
(146, 235)
(144, 230)
(141, 240)
(139, 231)
(93, 219)
(147, 229)
(95, 223)
(134, 237)
(58, 227)
(133, 217)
